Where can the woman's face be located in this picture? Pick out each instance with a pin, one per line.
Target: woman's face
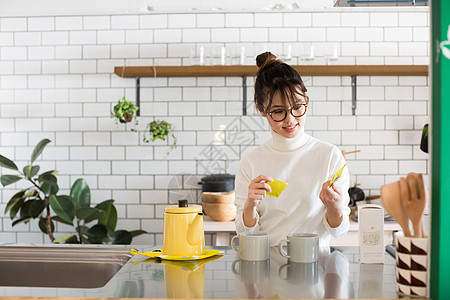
(290, 126)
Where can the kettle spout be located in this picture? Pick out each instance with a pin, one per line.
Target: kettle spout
(195, 231)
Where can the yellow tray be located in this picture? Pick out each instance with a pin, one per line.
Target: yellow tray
(157, 253)
(187, 265)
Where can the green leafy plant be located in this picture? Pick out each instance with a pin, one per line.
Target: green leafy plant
(425, 130)
(40, 199)
(123, 111)
(160, 130)
(424, 139)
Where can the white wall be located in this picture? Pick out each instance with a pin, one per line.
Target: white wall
(57, 82)
(87, 7)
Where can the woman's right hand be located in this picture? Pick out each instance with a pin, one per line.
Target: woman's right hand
(257, 190)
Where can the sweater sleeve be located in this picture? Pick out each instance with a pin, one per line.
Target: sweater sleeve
(242, 181)
(343, 183)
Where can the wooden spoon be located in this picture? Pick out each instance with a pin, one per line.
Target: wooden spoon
(422, 199)
(390, 195)
(412, 193)
(418, 199)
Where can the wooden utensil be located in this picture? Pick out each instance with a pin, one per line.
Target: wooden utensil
(349, 152)
(412, 195)
(390, 195)
(422, 200)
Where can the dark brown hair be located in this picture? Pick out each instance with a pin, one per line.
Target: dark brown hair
(276, 76)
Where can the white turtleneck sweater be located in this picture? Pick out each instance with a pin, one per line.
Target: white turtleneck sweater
(305, 163)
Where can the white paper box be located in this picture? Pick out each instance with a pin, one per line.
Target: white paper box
(370, 281)
(371, 233)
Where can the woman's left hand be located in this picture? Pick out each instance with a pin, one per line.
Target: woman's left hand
(332, 199)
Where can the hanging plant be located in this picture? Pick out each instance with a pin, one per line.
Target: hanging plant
(159, 130)
(124, 111)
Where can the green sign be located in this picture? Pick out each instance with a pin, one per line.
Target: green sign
(440, 156)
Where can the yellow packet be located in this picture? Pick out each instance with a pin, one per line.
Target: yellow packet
(277, 188)
(336, 175)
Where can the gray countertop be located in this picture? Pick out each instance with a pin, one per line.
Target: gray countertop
(337, 275)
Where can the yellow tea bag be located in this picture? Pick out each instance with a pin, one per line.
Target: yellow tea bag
(337, 175)
(277, 188)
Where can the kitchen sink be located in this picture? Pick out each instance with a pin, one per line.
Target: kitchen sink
(61, 266)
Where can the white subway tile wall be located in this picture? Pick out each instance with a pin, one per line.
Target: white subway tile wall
(57, 82)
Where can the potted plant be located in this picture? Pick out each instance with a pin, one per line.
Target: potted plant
(159, 130)
(424, 139)
(40, 198)
(124, 111)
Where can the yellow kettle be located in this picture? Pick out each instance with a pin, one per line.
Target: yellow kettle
(183, 230)
(184, 283)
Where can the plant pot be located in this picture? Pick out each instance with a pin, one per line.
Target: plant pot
(127, 118)
(217, 183)
(424, 139)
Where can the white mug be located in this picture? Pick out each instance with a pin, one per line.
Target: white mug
(300, 273)
(253, 245)
(251, 271)
(301, 247)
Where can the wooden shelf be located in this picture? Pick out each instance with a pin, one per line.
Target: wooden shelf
(238, 71)
(244, 71)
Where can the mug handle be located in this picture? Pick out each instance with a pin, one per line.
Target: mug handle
(281, 270)
(233, 267)
(280, 247)
(232, 244)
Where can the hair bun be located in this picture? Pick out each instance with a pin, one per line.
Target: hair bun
(265, 60)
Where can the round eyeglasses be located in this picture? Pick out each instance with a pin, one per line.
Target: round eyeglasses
(296, 111)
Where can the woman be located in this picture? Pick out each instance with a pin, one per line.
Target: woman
(307, 164)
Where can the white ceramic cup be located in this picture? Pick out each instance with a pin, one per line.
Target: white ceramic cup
(251, 271)
(300, 273)
(254, 245)
(301, 247)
